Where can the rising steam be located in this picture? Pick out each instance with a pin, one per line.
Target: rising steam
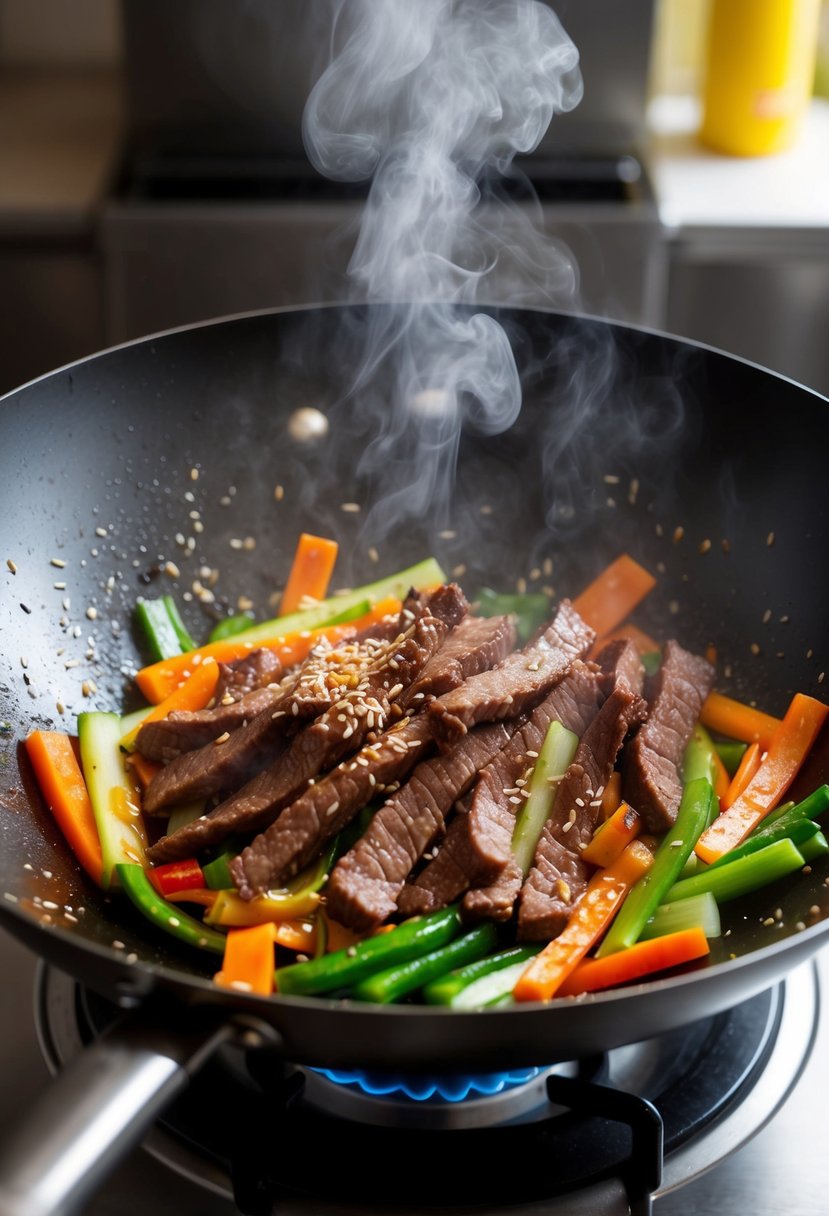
(431, 99)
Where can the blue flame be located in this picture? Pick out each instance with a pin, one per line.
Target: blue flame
(427, 1088)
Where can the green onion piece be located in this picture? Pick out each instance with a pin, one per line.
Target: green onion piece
(692, 866)
(414, 937)
(451, 989)
(815, 805)
(698, 911)
(554, 758)
(731, 753)
(814, 846)
(393, 984)
(159, 632)
(797, 827)
(217, 874)
(532, 611)
(111, 792)
(698, 760)
(331, 611)
(185, 641)
(741, 876)
(651, 661)
(165, 915)
(230, 626)
(773, 816)
(652, 888)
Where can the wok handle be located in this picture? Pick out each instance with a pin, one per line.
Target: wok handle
(101, 1105)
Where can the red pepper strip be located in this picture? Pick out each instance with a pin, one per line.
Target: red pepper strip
(789, 747)
(593, 913)
(177, 876)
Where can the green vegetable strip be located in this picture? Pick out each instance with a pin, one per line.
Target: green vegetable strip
(230, 626)
(813, 806)
(159, 632)
(130, 721)
(217, 874)
(814, 846)
(798, 828)
(491, 991)
(556, 754)
(532, 611)
(698, 911)
(165, 915)
(399, 981)
(698, 760)
(185, 641)
(773, 816)
(112, 794)
(651, 662)
(731, 754)
(343, 968)
(449, 989)
(651, 890)
(186, 813)
(425, 574)
(744, 875)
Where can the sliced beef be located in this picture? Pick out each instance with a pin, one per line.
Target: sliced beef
(519, 682)
(621, 664)
(476, 645)
(365, 883)
(446, 603)
(184, 731)
(360, 712)
(328, 806)
(447, 875)
(558, 875)
(256, 670)
(651, 779)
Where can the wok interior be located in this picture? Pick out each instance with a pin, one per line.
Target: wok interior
(112, 444)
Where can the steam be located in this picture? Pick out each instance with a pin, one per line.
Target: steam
(432, 99)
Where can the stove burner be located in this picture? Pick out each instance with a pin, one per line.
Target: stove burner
(425, 1089)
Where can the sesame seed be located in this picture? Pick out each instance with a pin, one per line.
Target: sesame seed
(754, 648)
(102, 532)
(373, 554)
(194, 474)
(350, 508)
(91, 613)
(171, 569)
(565, 827)
(59, 586)
(705, 545)
(770, 539)
(222, 738)
(11, 565)
(611, 479)
(767, 616)
(579, 802)
(679, 532)
(59, 562)
(768, 921)
(89, 688)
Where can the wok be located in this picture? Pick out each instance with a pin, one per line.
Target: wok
(626, 440)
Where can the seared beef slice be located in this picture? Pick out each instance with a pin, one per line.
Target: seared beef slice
(518, 683)
(651, 779)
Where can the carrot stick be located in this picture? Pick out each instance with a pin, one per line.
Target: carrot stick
(643, 642)
(614, 594)
(611, 796)
(545, 974)
(746, 770)
(311, 571)
(249, 960)
(738, 721)
(62, 785)
(721, 778)
(158, 680)
(613, 836)
(143, 768)
(642, 959)
(789, 747)
(296, 935)
(193, 694)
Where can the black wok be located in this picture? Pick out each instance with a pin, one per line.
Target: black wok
(699, 441)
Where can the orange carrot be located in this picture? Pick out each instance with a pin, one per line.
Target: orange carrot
(611, 796)
(249, 960)
(339, 937)
(143, 768)
(311, 571)
(159, 679)
(613, 836)
(789, 747)
(643, 642)
(658, 954)
(746, 770)
(614, 594)
(296, 935)
(194, 693)
(738, 721)
(721, 777)
(62, 785)
(593, 913)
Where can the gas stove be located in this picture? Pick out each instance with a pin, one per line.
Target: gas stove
(553, 1140)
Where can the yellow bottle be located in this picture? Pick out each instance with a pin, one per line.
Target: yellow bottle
(760, 70)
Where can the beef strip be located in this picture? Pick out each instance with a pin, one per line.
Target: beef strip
(620, 663)
(328, 806)
(496, 800)
(651, 779)
(256, 670)
(476, 645)
(519, 682)
(558, 875)
(184, 730)
(366, 882)
(476, 853)
(359, 713)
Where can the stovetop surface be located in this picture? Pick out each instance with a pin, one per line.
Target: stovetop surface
(784, 1168)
